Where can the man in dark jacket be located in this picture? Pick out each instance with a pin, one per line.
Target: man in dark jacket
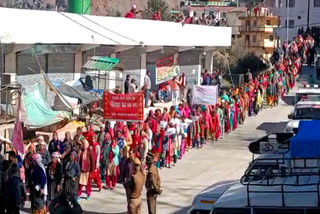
(65, 203)
(14, 190)
(127, 84)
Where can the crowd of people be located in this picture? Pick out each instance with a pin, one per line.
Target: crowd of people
(131, 153)
(191, 18)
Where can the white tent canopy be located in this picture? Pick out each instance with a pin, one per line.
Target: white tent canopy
(20, 26)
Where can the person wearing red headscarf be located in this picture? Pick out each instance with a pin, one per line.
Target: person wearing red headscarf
(88, 135)
(152, 121)
(96, 150)
(136, 140)
(157, 144)
(128, 139)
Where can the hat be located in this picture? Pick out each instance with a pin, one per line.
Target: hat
(74, 154)
(55, 154)
(137, 162)
(41, 140)
(149, 158)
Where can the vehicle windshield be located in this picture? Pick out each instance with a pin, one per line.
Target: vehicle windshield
(310, 113)
(307, 96)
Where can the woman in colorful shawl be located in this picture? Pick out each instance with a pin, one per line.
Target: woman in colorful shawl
(152, 121)
(111, 157)
(232, 113)
(136, 140)
(227, 114)
(157, 145)
(208, 124)
(118, 127)
(194, 131)
(86, 162)
(37, 185)
(235, 115)
(215, 124)
(104, 147)
(165, 115)
(54, 176)
(128, 139)
(251, 99)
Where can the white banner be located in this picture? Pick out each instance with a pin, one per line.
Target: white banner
(205, 95)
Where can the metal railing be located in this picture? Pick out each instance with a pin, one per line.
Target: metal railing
(283, 172)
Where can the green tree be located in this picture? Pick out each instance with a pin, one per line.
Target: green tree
(157, 5)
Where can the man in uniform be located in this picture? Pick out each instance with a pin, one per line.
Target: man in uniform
(152, 184)
(134, 188)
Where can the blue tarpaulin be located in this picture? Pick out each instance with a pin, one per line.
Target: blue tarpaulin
(306, 144)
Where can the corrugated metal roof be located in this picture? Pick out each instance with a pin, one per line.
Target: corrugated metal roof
(101, 63)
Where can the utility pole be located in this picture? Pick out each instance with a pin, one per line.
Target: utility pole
(288, 16)
(308, 18)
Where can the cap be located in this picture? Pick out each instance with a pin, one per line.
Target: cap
(149, 158)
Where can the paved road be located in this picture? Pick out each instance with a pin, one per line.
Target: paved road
(217, 162)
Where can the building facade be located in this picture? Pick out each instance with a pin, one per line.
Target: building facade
(300, 13)
(257, 31)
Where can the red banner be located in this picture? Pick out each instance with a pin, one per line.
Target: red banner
(127, 107)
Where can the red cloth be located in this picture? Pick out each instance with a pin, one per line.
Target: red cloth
(95, 176)
(88, 135)
(130, 15)
(156, 16)
(158, 149)
(88, 164)
(94, 146)
(135, 141)
(17, 137)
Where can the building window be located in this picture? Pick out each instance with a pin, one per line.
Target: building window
(291, 23)
(292, 3)
(271, 38)
(268, 22)
(279, 3)
(254, 38)
(316, 3)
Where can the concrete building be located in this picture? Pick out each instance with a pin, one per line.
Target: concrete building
(63, 42)
(257, 29)
(295, 14)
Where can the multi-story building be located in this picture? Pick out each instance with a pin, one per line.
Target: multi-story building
(257, 31)
(295, 14)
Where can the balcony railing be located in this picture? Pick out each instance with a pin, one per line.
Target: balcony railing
(266, 43)
(249, 28)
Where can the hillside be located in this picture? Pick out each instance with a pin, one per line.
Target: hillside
(98, 7)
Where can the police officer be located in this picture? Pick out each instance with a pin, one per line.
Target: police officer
(152, 184)
(134, 188)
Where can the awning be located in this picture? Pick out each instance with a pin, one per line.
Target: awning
(78, 29)
(101, 63)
